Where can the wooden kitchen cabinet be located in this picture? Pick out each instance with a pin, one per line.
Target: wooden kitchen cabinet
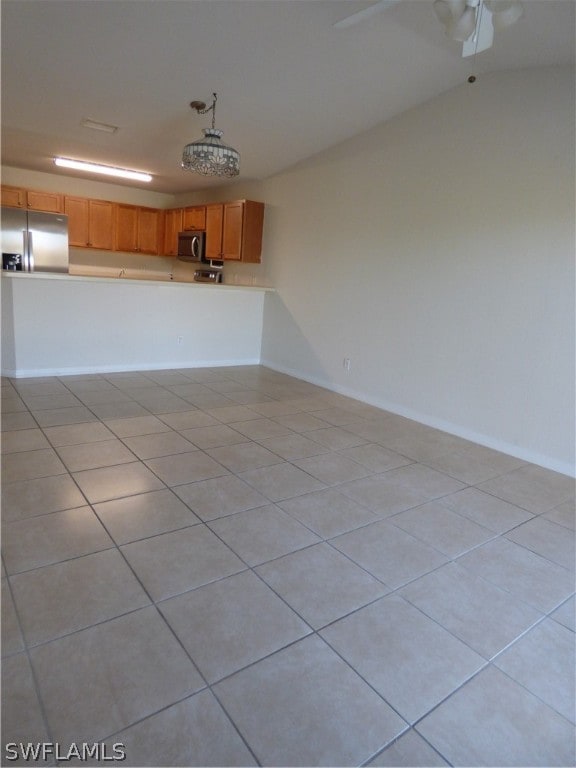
(173, 224)
(13, 197)
(18, 197)
(45, 201)
(138, 229)
(234, 231)
(90, 223)
(214, 219)
(195, 217)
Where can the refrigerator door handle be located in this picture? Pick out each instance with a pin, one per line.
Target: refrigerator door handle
(30, 253)
(25, 250)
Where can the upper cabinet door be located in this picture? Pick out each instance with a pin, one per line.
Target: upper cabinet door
(137, 229)
(126, 228)
(101, 218)
(78, 212)
(50, 202)
(148, 230)
(195, 217)
(90, 223)
(172, 226)
(17, 197)
(13, 197)
(232, 231)
(214, 218)
(252, 230)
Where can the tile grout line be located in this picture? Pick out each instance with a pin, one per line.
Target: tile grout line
(252, 569)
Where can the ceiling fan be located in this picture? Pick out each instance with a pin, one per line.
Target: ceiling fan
(471, 22)
(366, 13)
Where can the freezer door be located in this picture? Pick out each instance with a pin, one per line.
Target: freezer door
(47, 242)
(14, 235)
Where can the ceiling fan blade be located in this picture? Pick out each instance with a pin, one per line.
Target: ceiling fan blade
(365, 13)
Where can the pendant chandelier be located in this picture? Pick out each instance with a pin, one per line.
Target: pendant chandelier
(209, 155)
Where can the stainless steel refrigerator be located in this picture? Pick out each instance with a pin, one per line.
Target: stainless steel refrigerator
(33, 241)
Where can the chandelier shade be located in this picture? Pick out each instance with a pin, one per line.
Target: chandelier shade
(209, 156)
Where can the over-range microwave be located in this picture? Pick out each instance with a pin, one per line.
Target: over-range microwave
(192, 246)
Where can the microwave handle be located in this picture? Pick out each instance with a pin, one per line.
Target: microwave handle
(195, 247)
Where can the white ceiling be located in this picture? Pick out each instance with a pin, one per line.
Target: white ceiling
(289, 83)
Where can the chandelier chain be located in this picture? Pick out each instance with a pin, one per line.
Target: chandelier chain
(211, 108)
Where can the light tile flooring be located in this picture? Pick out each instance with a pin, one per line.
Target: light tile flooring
(233, 567)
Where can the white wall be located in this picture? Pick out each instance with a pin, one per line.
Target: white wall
(57, 325)
(437, 253)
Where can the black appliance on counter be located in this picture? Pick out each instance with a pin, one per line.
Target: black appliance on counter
(192, 246)
(12, 262)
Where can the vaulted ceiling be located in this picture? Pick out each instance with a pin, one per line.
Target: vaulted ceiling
(289, 83)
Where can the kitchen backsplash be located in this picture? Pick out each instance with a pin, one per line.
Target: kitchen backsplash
(84, 261)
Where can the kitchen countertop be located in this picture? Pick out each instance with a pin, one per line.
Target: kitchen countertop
(162, 281)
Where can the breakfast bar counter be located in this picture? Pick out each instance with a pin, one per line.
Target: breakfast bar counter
(58, 324)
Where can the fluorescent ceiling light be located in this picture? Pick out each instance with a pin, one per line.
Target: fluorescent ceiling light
(106, 170)
(96, 126)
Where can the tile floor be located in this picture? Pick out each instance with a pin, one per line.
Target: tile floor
(233, 567)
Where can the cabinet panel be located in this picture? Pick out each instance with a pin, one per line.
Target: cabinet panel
(252, 230)
(173, 224)
(137, 229)
(77, 210)
(18, 197)
(148, 230)
(232, 231)
(90, 223)
(214, 219)
(13, 197)
(50, 202)
(126, 228)
(101, 219)
(195, 217)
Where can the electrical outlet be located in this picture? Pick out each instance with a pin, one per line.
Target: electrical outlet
(179, 339)
(346, 363)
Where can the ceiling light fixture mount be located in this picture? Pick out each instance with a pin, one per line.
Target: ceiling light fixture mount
(209, 156)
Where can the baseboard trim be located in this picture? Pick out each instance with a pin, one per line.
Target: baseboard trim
(527, 455)
(102, 369)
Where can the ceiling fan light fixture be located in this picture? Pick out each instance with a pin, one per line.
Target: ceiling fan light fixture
(457, 16)
(209, 156)
(442, 11)
(456, 7)
(472, 22)
(505, 13)
(461, 29)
